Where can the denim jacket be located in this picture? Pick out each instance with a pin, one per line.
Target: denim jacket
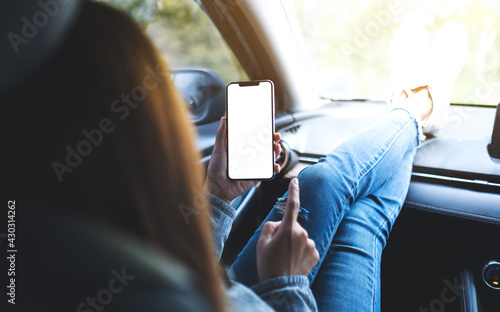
(284, 293)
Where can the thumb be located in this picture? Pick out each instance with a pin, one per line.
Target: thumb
(293, 203)
(220, 137)
(268, 231)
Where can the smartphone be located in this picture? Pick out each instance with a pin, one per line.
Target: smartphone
(250, 129)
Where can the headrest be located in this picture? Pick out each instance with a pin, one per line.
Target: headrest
(30, 31)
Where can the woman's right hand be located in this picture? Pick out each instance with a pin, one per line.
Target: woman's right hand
(218, 183)
(284, 247)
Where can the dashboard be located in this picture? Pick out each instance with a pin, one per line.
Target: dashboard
(450, 223)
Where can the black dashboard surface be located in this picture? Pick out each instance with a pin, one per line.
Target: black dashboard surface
(458, 150)
(453, 173)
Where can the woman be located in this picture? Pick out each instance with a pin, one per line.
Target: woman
(103, 131)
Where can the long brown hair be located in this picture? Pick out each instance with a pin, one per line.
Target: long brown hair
(102, 129)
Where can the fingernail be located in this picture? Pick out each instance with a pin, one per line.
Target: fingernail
(295, 181)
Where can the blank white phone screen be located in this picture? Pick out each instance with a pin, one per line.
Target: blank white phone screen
(250, 113)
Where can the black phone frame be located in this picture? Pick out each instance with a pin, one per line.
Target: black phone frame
(247, 84)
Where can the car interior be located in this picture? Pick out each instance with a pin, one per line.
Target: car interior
(443, 253)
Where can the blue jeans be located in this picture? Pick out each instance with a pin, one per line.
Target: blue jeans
(351, 199)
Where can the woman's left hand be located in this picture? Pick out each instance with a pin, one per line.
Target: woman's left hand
(217, 182)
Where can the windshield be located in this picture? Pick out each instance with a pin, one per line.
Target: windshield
(346, 43)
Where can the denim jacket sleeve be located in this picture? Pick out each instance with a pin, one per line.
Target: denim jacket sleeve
(222, 216)
(284, 293)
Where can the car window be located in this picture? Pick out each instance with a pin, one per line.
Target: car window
(346, 43)
(184, 34)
